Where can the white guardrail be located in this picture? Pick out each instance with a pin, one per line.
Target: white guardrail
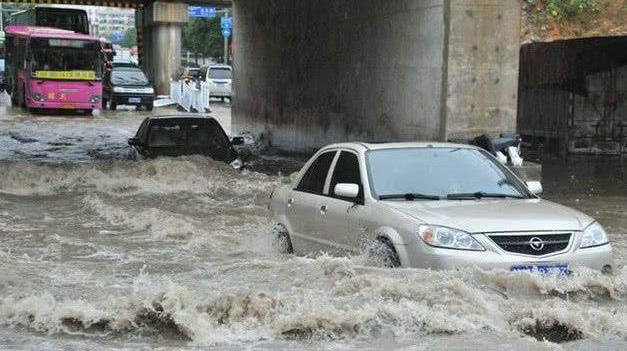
(189, 97)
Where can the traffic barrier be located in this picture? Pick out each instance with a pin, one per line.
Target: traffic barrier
(190, 98)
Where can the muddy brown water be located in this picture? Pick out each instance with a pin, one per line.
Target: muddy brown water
(100, 252)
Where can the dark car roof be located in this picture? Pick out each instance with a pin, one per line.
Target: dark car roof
(186, 118)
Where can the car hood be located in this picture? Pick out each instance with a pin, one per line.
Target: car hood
(495, 215)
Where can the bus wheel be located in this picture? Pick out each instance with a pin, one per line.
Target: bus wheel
(23, 97)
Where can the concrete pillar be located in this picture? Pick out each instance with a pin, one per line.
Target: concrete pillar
(308, 73)
(161, 35)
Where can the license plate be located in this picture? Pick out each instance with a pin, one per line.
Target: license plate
(546, 269)
(68, 106)
(134, 100)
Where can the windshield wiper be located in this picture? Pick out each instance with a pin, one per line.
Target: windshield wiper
(409, 197)
(482, 194)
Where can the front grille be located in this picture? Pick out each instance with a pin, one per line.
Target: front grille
(532, 244)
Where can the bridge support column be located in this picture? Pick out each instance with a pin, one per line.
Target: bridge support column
(160, 24)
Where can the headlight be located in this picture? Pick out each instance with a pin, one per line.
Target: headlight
(594, 235)
(448, 238)
(37, 97)
(95, 98)
(237, 163)
(149, 91)
(118, 89)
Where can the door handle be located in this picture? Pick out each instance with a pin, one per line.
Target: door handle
(290, 202)
(323, 209)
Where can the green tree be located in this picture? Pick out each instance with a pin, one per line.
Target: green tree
(130, 38)
(203, 36)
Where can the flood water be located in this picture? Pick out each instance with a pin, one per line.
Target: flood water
(100, 252)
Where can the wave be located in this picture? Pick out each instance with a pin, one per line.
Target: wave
(338, 300)
(192, 174)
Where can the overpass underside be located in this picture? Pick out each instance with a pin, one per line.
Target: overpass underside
(309, 73)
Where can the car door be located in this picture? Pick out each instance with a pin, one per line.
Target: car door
(303, 210)
(335, 211)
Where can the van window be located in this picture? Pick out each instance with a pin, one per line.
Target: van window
(219, 73)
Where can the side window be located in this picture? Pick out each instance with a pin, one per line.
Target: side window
(346, 171)
(315, 177)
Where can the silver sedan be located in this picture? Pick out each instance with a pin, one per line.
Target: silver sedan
(431, 205)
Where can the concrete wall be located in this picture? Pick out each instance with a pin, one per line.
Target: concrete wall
(308, 73)
(483, 59)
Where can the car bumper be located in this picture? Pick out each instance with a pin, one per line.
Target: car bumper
(132, 99)
(598, 258)
(63, 105)
(220, 91)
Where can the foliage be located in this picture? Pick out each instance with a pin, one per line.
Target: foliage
(569, 9)
(130, 38)
(202, 36)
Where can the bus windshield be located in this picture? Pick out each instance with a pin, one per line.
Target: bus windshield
(81, 58)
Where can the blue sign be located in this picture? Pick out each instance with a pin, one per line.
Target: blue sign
(201, 11)
(226, 22)
(117, 36)
(226, 32)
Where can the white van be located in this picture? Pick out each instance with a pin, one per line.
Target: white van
(219, 79)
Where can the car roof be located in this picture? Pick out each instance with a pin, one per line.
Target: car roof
(181, 117)
(366, 146)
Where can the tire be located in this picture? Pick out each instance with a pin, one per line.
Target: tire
(282, 240)
(23, 97)
(149, 107)
(88, 112)
(383, 252)
(112, 105)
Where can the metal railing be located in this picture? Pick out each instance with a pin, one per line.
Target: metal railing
(190, 98)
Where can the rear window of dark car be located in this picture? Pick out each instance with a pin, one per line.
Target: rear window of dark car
(209, 134)
(191, 133)
(167, 134)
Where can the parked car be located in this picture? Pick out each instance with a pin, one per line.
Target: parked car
(191, 74)
(183, 135)
(220, 79)
(432, 205)
(126, 84)
(2, 84)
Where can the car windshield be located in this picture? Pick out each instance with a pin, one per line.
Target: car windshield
(219, 73)
(439, 173)
(128, 76)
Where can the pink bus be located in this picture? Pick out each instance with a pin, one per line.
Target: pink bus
(49, 68)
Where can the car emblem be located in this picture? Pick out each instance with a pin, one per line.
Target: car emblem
(536, 243)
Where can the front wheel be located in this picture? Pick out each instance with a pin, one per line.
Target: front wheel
(112, 105)
(149, 107)
(383, 252)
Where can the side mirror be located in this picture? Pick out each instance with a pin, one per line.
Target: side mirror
(238, 140)
(535, 187)
(134, 142)
(347, 190)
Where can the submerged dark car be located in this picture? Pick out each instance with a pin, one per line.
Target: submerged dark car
(127, 85)
(182, 135)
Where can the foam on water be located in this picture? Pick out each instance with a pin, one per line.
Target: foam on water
(179, 250)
